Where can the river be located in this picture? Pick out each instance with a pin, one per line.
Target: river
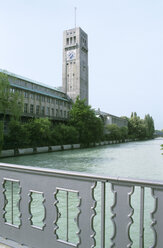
(141, 159)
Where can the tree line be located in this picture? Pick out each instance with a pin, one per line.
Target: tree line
(83, 126)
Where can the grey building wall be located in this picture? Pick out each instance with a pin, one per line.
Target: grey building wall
(39, 99)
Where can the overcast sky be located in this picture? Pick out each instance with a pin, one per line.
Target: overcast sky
(125, 39)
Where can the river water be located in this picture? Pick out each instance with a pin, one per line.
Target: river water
(134, 159)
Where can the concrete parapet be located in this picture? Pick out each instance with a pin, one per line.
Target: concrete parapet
(67, 147)
(42, 149)
(102, 143)
(4, 246)
(76, 146)
(25, 151)
(56, 148)
(7, 153)
(97, 144)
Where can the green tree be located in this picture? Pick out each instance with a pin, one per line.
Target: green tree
(1, 135)
(113, 132)
(136, 127)
(18, 136)
(4, 104)
(63, 134)
(16, 105)
(11, 103)
(4, 94)
(124, 133)
(39, 132)
(149, 124)
(84, 119)
(162, 148)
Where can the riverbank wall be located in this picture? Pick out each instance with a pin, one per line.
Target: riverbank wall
(45, 149)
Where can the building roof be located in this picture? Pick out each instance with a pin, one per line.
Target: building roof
(99, 112)
(29, 80)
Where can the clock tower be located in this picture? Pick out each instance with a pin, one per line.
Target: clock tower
(75, 64)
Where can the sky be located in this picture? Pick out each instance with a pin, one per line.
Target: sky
(125, 40)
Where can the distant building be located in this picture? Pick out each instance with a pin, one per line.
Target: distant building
(109, 119)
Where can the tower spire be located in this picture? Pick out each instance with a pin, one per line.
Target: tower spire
(75, 15)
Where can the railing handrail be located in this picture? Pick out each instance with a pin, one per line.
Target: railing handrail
(82, 176)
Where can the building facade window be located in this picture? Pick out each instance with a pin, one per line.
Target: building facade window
(43, 98)
(70, 40)
(31, 108)
(65, 114)
(25, 94)
(67, 41)
(37, 109)
(38, 97)
(56, 112)
(43, 110)
(52, 111)
(32, 96)
(48, 111)
(25, 107)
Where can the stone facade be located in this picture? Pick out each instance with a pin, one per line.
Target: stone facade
(75, 64)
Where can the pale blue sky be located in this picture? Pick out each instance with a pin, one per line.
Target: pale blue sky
(125, 49)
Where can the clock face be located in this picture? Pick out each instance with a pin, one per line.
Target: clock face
(71, 55)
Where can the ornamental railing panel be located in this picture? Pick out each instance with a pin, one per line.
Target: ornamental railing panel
(49, 208)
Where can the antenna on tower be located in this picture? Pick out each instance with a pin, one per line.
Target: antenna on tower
(75, 16)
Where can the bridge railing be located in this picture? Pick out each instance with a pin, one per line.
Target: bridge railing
(49, 208)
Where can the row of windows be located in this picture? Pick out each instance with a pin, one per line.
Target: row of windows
(71, 40)
(44, 99)
(34, 86)
(43, 111)
(40, 97)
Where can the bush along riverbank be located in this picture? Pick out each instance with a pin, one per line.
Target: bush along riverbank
(82, 127)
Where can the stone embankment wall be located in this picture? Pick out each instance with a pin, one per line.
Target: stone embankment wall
(37, 150)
